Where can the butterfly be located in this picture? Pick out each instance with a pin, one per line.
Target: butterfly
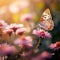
(46, 21)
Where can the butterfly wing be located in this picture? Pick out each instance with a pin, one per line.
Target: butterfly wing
(46, 21)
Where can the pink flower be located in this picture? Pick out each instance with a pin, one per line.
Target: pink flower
(17, 42)
(47, 35)
(43, 56)
(57, 44)
(52, 46)
(15, 26)
(24, 42)
(35, 32)
(20, 31)
(8, 31)
(26, 17)
(2, 24)
(46, 55)
(7, 49)
(41, 33)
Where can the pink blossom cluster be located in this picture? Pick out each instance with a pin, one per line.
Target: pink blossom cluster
(18, 29)
(25, 41)
(7, 49)
(41, 33)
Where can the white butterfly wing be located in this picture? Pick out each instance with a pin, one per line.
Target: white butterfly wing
(46, 21)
